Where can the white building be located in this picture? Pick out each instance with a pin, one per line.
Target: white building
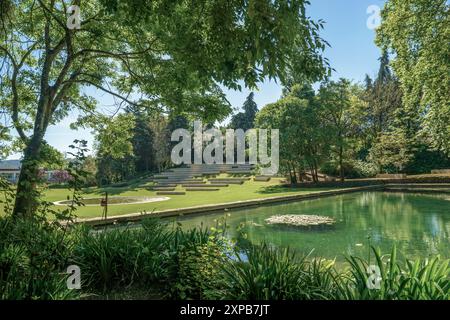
(10, 169)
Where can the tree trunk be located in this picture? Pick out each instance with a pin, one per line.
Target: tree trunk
(289, 170)
(311, 171)
(27, 196)
(341, 167)
(316, 171)
(294, 174)
(300, 174)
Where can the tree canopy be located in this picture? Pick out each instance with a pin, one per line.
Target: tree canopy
(244, 120)
(304, 137)
(417, 33)
(171, 55)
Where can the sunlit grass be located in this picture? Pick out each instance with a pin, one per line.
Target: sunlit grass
(247, 191)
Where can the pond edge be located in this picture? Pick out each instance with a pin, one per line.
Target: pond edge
(133, 217)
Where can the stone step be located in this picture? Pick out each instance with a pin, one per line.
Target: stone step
(202, 189)
(231, 179)
(207, 169)
(440, 171)
(227, 181)
(240, 172)
(391, 176)
(193, 182)
(174, 174)
(163, 188)
(182, 178)
(170, 193)
(218, 169)
(167, 185)
(194, 165)
(212, 185)
(261, 178)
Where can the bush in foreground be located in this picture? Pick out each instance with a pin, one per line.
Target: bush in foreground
(193, 264)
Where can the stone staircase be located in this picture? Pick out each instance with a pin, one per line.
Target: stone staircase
(192, 178)
(194, 173)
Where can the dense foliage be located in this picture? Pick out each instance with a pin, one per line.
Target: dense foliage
(351, 130)
(161, 55)
(245, 120)
(417, 32)
(165, 261)
(316, 130)
(160, 259)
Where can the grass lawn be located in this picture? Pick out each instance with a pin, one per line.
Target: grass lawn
(247, 191)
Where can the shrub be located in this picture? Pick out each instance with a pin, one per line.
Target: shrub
(364, 169)
(194, 257)
(194, 264)
(273, 274)
(352, 169)
(427, 279)
(33, 261)
(60, 177)
(198, 272)
(117, 257)
(263, 273)
(179, 263)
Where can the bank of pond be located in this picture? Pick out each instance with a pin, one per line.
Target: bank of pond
(381, 246)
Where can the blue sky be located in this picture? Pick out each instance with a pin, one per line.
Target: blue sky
(352, 54)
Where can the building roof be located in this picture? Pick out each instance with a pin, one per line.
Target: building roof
(10, 164)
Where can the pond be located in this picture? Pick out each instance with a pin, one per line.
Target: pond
(418, 224)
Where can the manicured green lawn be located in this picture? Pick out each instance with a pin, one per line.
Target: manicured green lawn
(247, 191)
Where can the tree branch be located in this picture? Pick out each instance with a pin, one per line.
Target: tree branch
(52, 14)
(15, 106)
(8, 54)
(15, 98)
(113, 54)
(66, 85)
(107, 91)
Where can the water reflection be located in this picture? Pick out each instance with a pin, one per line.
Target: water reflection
(418, 224)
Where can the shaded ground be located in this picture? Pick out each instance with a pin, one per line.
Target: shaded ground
(128, 293)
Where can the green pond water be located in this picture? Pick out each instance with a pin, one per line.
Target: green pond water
(418, 224)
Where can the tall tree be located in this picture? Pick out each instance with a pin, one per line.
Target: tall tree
(169, 51)
(115, 158)
(383, 97)
(142, 140)
(418, 33)
(334, 99)
(390, 151)
(160, 143)
(303, 136)
(244, 120)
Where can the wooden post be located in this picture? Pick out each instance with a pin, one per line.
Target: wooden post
(106, 206)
